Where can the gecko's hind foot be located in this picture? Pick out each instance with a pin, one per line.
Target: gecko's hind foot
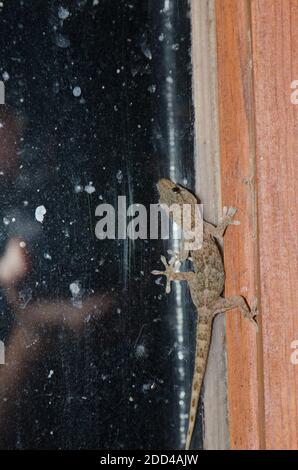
(236, 301)
(169, 272)
(254, 312)
(251, 313)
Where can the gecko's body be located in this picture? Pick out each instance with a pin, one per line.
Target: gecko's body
(206, 285)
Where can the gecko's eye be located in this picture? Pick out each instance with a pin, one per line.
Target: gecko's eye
(176, 190)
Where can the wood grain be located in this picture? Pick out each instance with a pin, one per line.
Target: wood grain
(275, 64)
(237, 144)
(259, 151)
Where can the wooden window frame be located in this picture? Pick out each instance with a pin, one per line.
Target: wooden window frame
(254, 136)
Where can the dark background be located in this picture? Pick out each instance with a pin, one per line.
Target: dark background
(116, 385)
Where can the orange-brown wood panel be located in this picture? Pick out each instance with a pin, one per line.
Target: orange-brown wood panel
(259, 160)
(275, 65)
(237, 145)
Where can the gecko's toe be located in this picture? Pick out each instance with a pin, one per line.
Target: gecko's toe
(228, 214)
(254, 305)
(174, 259)
(229, 211)
(255, 324)
(235, 222)
(254, 310)
(164, 261)
(168, 287)
(253, 313)
(225, 211)
(172, 253)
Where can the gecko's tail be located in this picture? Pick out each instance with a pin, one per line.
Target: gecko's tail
(203, 337)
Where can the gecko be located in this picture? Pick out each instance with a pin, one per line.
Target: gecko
(206, 284)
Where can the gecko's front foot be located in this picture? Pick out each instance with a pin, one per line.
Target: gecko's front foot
(227, 219)
(228, 216)
(169, 272)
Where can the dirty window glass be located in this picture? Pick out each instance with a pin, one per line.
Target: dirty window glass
(98, 104)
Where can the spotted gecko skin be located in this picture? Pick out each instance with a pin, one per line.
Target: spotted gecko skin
(206, 285)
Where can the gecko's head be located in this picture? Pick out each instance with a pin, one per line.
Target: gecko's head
(172, 193)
